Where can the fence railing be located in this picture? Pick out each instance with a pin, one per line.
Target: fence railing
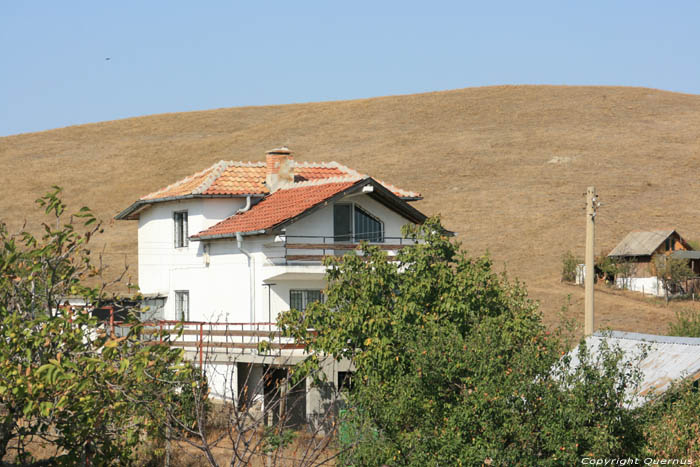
(316, 247)
(205, 337)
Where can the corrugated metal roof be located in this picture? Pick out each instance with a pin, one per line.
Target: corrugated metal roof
(668, 359)
(640, 243)
(686, 254)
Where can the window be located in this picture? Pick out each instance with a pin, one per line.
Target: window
(182, 305)
(670, 244)
(300, 299)
(367, 227)
(352, 223)
(342, 222)
(181, 239)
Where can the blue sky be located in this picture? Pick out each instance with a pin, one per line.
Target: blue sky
(179, 56)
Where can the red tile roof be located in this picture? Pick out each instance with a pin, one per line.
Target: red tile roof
(222, 178)
(247, 178)
(278, 207)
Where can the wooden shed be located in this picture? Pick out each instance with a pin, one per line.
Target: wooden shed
(639, 247)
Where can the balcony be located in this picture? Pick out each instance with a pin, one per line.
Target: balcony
(311, 248)
(214, 342)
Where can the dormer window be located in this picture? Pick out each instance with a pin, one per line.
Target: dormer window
(351, 223)
(180, 219)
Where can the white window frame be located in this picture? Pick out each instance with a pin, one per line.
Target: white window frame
(182, 305)
(180, 234)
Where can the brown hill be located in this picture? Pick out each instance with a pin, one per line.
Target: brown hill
(506, 167)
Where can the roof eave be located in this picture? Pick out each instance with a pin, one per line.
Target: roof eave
(227, 235)
(391, 199)
(131, 212)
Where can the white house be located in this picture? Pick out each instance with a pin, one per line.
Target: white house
(239, 242)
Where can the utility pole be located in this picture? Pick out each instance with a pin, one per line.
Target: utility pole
(591, 205)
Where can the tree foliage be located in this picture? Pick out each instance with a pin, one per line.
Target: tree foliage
(64, 379)
(672, 427)
(455, 367)
(569, 263)
(687, 323)
(672, 272)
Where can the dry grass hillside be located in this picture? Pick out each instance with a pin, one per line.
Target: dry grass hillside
(506, 167)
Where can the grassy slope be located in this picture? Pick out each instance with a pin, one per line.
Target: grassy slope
(506, 166)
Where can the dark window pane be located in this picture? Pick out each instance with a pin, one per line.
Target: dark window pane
(367, 227)
(182, 305)
(342, 222)
(345, 381)
(180, 221)
(185, 239)
(300, 299)
(296, 300)
(313, 296)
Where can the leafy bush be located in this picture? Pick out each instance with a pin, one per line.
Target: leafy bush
(63, 378)
(606, 267)
(673, 427)
(569, 264)
(687, 324)
(671, 272)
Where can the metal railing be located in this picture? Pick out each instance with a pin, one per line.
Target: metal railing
(316, 247)
(204, 337)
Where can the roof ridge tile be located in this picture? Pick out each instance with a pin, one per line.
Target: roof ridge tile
(181, 181)
(246, 163)
(213, 176)
(319, 182)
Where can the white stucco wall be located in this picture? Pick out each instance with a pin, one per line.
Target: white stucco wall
(163, 269)
(321, 221)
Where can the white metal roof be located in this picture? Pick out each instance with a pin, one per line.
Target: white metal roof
(668, 359)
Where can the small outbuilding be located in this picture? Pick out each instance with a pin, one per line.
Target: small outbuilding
(636, 252)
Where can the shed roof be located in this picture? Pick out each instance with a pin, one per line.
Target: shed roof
(668, 359)
(641, 243)
(686, 254)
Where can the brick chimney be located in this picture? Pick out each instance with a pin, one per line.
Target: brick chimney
(280, 168)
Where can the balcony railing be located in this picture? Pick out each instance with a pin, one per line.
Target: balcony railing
(315, 248)
(207, 338)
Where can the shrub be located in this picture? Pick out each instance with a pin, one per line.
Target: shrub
(569, 265)
(63, 378)
(687, 324)
(673, 427)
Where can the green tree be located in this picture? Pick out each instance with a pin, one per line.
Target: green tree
(64, 379)
(607, 268)
(455, 367)
(672, 427)
(687, 323)
(569, 264)
(672, 272)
